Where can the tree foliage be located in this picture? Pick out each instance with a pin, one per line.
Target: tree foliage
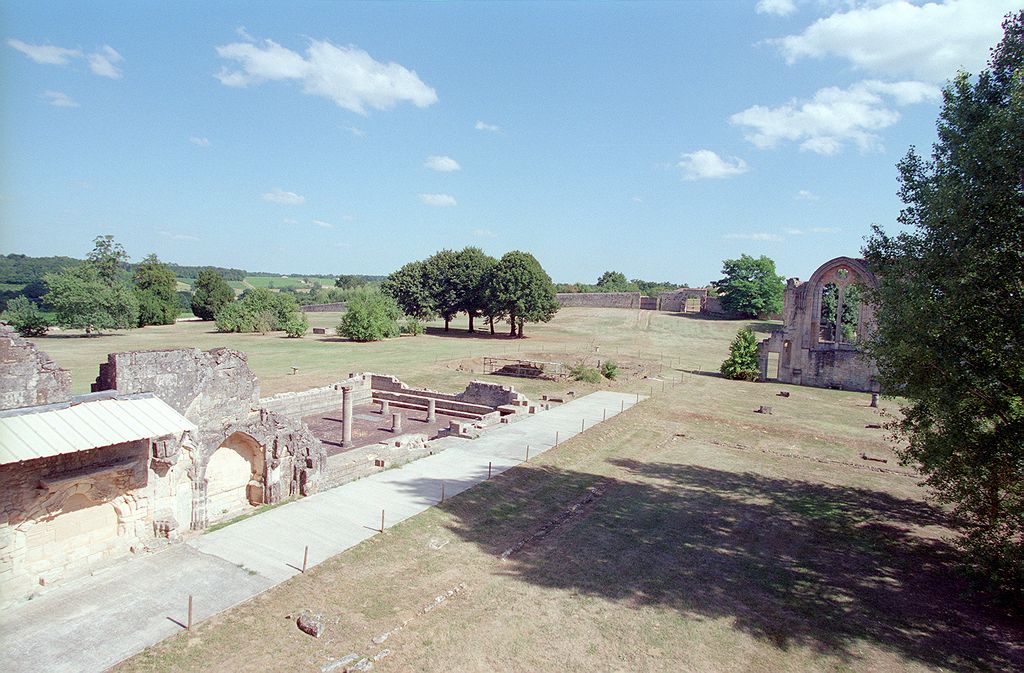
(950, 323)
(84, 299)
(408, 288)
(441, 277)
(23, 315)
(258, 310)
(371, 316)
(519, 290)
(742, 361)
(474, 268)
(109, 259)
(156, 288)
(210, 294)
(751, 286)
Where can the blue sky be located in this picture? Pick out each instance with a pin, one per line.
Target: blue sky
(329, 137)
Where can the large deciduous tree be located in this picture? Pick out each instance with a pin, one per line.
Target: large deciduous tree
(210, 294)
(474, 266)
(95, 295)
(407, 286)
(950, 318)
(156, 288)
(751, 286)
(441, 279)
(371, 316)
(521, 291)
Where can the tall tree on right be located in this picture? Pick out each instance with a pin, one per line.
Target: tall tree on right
(751, 286)
(519, 290)
(950, 310)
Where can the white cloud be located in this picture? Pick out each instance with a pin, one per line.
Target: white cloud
(806, 195)
(244, 34)
(277, 195)
(776, 7)
(178, 237)
(102, 62)
(757, 236)
(290, 220)
(357, 132)
(45, 53)
(483, 126)
(833, 117)
(812, 230)
(438, 199)
(325, 225)
(929, 41)
(484, 233)
(59, 99)
(707, 164)
(443, 164)
(346, 75)
(637, 199)
(199, 142)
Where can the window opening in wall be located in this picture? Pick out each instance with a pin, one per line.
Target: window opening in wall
(827, 319)
(851, 313)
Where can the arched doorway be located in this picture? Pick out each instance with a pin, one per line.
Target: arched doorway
(234, 476)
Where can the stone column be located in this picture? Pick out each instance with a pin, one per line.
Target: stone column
(346, 417)
(385, 408)
(396, 422)
(431, 410)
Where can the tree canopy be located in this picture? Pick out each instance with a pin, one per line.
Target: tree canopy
(95, 295)
(521, 291)
(210, 294)
(371, 316)
(407, 286)
(950, 323)
(157, 293)
(751, 286)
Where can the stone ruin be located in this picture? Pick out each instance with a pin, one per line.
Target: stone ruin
(817, 346)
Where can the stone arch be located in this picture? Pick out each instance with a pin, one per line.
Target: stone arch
(234, 475)
(841, 272)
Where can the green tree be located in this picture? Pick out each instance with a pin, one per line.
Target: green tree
(109, 259)
(751, 286)
(408, 287)
(950, 323)
(347, 282)
(210, 294)
(83, 299)
(613, 281)
(474, 266)
(258, 310)
(442, 282)
(519, 290)
(156, 288)
(25, 318)
(742, 361)
(371, 316)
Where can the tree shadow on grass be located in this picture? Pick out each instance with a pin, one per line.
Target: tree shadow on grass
(793, 563)
(462, 333)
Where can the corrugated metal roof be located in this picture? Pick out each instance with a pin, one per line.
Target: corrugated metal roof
(26, 434)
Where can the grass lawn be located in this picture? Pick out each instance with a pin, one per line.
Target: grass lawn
(277, 282)
(714, 538)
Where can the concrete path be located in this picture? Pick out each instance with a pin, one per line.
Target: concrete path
(92, 624)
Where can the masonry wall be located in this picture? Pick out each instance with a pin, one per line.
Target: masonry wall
(318, 400)
(599, 299)
(367, 460)
(481, 393)
(29, 377)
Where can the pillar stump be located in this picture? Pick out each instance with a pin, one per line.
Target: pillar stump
(431, 410)
(396, 422)
(346, 417)
(385, 408)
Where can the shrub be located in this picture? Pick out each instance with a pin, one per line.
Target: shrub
(581, 372)
(609, 370)
(742, 361)
(296, 326)
(371, 316)
(258, 310)
(25, 318)
(411, 326)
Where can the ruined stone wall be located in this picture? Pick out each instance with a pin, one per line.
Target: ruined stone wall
(366, 460)
(482, 393)
(29, 377)
(599, 299)
(122, 477)
(318, 400)
(676, 299)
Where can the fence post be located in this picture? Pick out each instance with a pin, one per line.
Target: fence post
(305, 559)
(382, 521)
(189, 627)
(442, 490)
(488, 469)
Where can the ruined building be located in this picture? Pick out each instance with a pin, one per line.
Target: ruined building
(825, 320)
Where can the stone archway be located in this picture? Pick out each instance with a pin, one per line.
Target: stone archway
(234, 476)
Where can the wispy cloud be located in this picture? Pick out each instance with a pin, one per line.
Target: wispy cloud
(178, 237)
(438, 199)
(812, 230)
(101, 62)
(346, 75)
(484, 126)
(322, 224)
(277, 195)
(244, 34)
(806, 195)
(58, 99)
(484, 233)
(357, 132)
(443, 164)
(754, 236)
(637, 199)
(199, 141)
(290, 220)
(776, 7)
(704, 164)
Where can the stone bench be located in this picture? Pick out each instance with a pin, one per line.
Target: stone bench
(449, 407)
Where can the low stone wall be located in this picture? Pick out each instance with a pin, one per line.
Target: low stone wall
(27, 376)
(416, 401)
(318, 400)
(675, 301)
(336, 307)
(364, 461)
(483, 393)
(599, 299)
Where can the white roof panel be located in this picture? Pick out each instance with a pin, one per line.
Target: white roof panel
(49, 431)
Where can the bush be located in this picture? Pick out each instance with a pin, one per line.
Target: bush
(25, 318)
(371, 316)
(210, 295)
(742, 361)
(411, 326)
(582, 372)
(258, 310)
(609, 370)
(296, 326)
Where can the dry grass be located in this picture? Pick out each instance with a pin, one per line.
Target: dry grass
(706, 550)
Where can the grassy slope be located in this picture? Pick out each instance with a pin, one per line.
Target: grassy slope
(706, 551)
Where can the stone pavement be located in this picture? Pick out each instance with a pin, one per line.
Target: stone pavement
(93, 623)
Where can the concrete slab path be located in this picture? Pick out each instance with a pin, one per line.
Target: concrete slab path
(91, 624)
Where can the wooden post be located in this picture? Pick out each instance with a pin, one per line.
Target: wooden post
(305, 559)
(189, 627)
(488, 469)
(527, 453)
(604, 415)
(442, 490)
(638, 397)
(382, 521)
(622, 406)
(556, 438)
(583, 424)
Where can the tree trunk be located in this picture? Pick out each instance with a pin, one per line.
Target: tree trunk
(512, 321)
(471, 322)
(520, 328)
(446, 321)
(492, 324)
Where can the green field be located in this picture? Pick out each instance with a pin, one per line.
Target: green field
(276, 282)
(722, 540)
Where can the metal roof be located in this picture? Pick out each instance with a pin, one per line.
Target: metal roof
(51, 430)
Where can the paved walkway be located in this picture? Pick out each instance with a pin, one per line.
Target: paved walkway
(92, 624)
